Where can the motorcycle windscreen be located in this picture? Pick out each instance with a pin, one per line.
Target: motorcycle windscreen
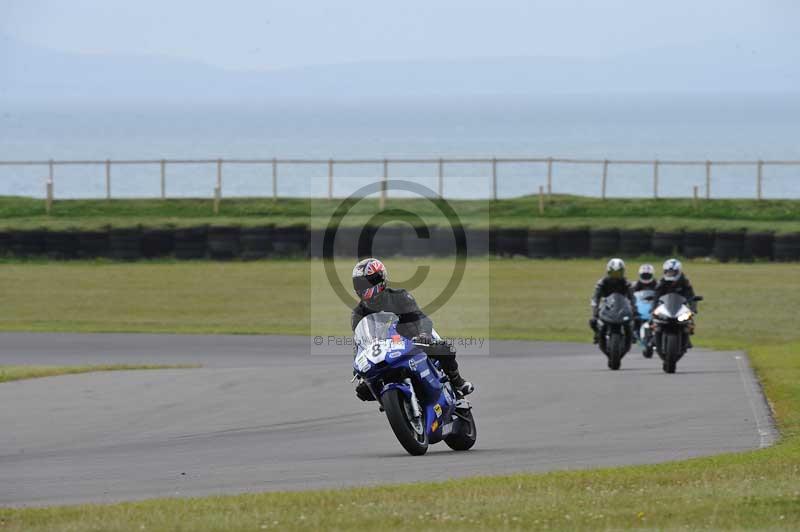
(374, 327)
(615, 307)
(672, 303)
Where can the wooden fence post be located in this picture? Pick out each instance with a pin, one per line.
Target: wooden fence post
(494, 178)
(382, 201)
(330, 178)
(655, 179)
(108, 179)
(274, 178)
(441, 177)
(163, 179)
(760, 179)
(48, 204)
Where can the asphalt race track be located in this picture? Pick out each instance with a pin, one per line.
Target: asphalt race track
(264, 414)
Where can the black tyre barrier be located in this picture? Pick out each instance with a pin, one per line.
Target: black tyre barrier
(157, 243)
(6, 243)
(29, 243)
(223, 242)
(542, 243)
(667, 243)
(61, 245)
(256, 242)
(635, 242)
(190, 242)
(511, 241)
(93, 244)
(698, 243)
(291, 241)
(787, 247)
(572, 243)
(478, 241)
(126, 244)
(387, 241)
(729, 245)
(604, 242)
(443, 242)
(315, 239)
(413, 245)
(758, 245)
(346, 243)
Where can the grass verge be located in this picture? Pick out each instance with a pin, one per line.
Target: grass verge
(748, 307)
(17, 373)
(559, 211)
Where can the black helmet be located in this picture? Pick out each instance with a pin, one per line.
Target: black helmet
(369, 278)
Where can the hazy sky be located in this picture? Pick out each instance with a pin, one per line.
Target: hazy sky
(277, 34)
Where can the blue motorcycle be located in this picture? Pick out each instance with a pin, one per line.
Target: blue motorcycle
(644, 304)
(416, 395)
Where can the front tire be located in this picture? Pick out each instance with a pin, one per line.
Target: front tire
(464, 434)
(412, 434)
(616, 349)
(672, 352)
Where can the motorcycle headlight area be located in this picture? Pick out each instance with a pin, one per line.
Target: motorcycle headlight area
(661, 313)
(686, 315)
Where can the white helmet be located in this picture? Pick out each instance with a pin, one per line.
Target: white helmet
(647, 273)
(616, 268)
(672, 270)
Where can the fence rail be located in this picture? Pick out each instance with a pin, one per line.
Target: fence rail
(440, 163)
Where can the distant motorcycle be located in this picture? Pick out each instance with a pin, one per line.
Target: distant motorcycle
(420, 404)
(615, 328)
(644, 303)
(672, 323)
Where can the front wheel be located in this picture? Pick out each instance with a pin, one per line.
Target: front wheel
(464, 432)
(616, 349)
(672, 352)
(410, 432)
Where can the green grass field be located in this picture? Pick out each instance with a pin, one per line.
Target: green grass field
(747, 306)
(18, 373)
(560, 211)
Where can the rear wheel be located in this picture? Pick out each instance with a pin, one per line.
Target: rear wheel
(672, 352)
(616, 348)
(647, 352)
(464, 432)
(410, 431)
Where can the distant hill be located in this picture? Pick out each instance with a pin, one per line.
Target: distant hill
(36, 75)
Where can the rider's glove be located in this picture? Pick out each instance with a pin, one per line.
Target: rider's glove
(423, 338)
(363, 392)
(593, 324)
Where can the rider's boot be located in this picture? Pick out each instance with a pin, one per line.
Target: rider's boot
(464, 387)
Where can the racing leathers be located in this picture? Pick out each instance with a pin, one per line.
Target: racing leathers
(604, 288)
(680, 286)
(413, 323)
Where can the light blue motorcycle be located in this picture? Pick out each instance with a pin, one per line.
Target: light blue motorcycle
(644, 304)
(416, 395)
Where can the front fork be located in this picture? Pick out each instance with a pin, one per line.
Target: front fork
(414, 402)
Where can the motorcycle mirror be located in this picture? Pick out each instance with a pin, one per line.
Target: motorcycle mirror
(698, 298)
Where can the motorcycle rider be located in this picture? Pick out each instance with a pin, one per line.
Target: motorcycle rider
(370, 283)
(613, 283)
(647, 278)
(675, 281)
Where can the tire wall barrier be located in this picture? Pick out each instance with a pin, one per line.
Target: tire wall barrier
(265, 242)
